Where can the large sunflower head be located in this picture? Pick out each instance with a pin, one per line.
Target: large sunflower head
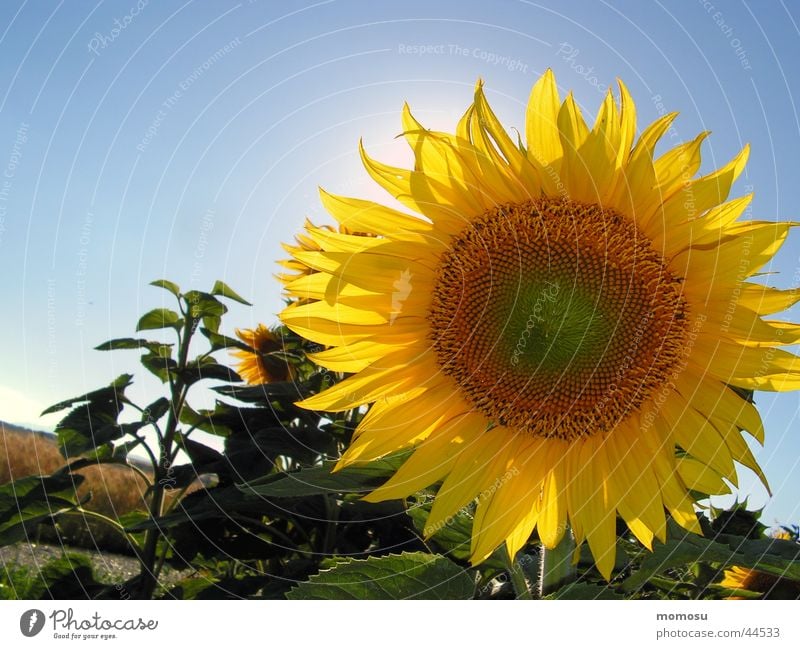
(563, 330)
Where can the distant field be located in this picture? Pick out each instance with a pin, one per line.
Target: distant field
(115, 490)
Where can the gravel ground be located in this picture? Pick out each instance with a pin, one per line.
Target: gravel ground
(108, 568)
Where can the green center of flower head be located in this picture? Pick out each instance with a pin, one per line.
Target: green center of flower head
(555, 318)
(552, 325)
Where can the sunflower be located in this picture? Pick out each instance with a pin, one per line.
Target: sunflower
(755, 581)
(561, 330)
(261, 364)
(782, 535)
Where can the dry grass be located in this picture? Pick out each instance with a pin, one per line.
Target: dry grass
(115, 490)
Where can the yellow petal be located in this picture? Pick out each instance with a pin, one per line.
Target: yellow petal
(392, 373)
(713, 398)
(449, 210)
(510, 500)
(574, 168)
(739, 449)
(476, 468)
(432, 460)
(353, 357)
(678, 164)
(633, 193)
(742, 252)
(695, 435)
(634, 486)
(599, 515)
(490, 164)
(683, 214)
(396, 428)
(552, 521)
(365, 216)
(753, 368)
(599, 154)
(526, 171)
(541, 121)
(673, 491)
(337, 312)
(627, 124)
(765, 299)
(700, 477)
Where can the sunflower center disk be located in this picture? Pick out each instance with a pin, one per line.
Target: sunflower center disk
(556, 318)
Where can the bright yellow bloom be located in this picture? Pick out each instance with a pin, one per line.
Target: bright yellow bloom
(557, 329)
(261, 365)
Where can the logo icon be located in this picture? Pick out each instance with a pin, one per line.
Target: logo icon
(31, 622)
(402, 288)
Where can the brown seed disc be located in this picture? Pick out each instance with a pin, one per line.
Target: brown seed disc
(556, 318)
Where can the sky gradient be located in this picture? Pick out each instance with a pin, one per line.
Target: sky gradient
(186, 140)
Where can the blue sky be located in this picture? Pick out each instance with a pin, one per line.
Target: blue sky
(141, 140)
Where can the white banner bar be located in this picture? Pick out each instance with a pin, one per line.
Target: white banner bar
(406, 624)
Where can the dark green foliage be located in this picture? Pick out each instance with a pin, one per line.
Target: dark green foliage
(29, 501)
(411, 575)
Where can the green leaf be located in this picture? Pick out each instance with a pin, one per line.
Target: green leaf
(159, 319)
(773, 556)
(75, 441)
(208, 368)
(200, 455)
(221, 288)
(193, 587)
(70, 576)
(100, 454)
(158, 365)
(111, 392)
(122, 343)
(94, 421)
(203, 305)
(156, 349)
(411, 575)
(29, 501)
(172, 287)
(280, 390)
(218, 341)
(121, 450)
(212, 322)
(585, 591)
(156, 410)
(319, 480)
(253, 451)
(204, 420)
(219, 503)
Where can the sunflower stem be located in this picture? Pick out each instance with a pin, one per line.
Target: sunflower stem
(517, 576)
(557, 569)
